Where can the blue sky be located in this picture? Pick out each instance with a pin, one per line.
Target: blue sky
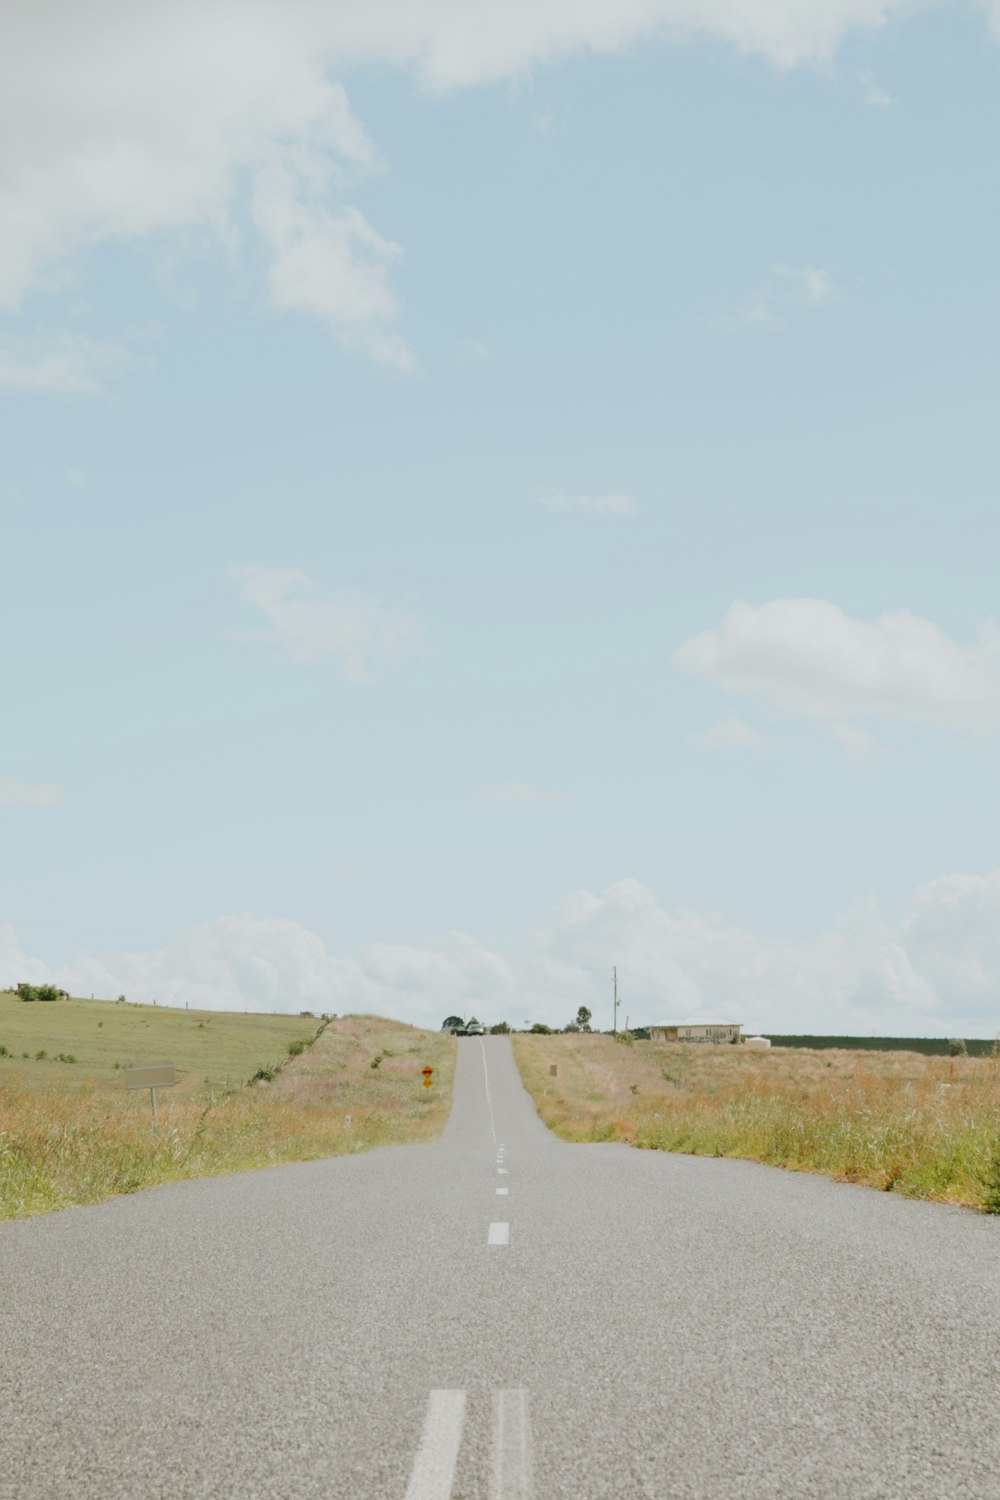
(486, 495)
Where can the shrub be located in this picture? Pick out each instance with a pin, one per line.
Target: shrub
(264, 1075)
(41, 1055)
(540, 1029)
(4, 1052)
(500, 1029)
(957, 1047)
(296, 1049)
(40, 992)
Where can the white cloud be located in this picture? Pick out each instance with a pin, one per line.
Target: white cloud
(876, 97)
(803, 288)
(309, 624)
(809, 286)
(272, 964)
(15, 793)
(612, 504)
(935, 973)
(858, 745)
(62, 364)
(812, 661)
(120, 122)
(518, 794)
(332, 265)
(736, 734)
(458, 973)
(475, 352)
(992, 9)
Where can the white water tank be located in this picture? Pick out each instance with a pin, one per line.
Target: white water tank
(756, 1041)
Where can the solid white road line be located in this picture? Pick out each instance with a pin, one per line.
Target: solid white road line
(499, 1234)
(434, 1466)
(511, 1447)
(486, 1082)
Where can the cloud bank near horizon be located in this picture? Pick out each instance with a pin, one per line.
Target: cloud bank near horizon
(932, 974)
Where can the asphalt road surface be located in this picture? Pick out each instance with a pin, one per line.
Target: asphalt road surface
(501, 1316)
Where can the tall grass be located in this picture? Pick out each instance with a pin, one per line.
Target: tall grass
(921, 1126)
(61, 1147)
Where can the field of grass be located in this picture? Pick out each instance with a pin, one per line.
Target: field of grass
(357, 1085)
(213, 1050)
(926, 1127)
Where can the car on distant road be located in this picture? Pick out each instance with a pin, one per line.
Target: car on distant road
(473, 1029)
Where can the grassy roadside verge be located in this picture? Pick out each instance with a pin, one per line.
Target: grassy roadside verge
(61, 1146)
(926, 1127)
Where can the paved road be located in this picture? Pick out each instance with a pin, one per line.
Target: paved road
(501, 1316)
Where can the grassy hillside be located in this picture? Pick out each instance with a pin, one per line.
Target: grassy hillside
(70, 1133)
(927, 1127)
(212, 1050)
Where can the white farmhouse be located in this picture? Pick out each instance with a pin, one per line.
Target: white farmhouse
(696, 1031)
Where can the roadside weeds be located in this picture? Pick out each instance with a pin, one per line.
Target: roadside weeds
(925, 1127)
(60, 1147)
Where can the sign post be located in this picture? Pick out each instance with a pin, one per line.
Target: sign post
(151, 1076)
(428, 1077)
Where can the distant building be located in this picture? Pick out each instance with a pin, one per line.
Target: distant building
(696, 1031)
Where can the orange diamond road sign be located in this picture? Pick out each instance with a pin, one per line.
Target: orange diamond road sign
(428, 1076)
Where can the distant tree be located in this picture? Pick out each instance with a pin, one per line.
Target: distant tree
(540, 1029)
(452, 1023)
(500, 1028)
(583, 1018)
(957, 1047)
(571, 1026)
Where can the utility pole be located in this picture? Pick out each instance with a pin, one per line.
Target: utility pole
(614, 1023)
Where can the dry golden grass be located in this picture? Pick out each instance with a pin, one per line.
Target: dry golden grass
(61, 1146)
(927, 1127)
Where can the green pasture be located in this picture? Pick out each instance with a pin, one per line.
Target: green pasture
(211, 1049)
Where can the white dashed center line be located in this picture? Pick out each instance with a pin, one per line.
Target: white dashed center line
(502, 1192)
(499, 1234)
(502, 1172)
(434, 1466)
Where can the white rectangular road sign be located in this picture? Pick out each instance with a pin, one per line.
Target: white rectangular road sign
(161, 1075)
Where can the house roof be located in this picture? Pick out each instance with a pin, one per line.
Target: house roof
(697, 1021)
